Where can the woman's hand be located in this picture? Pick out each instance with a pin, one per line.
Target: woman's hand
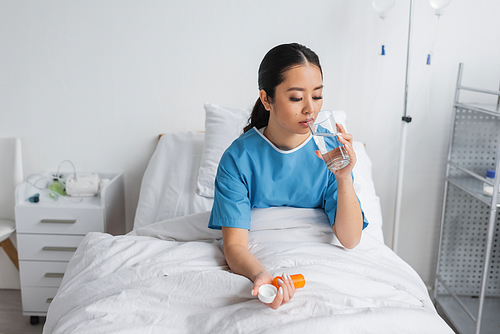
(346, 140)
(285, 292)
(244, 263)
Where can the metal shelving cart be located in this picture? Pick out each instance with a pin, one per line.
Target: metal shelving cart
(467, 287)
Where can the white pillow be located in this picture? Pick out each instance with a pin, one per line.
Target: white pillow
(168, 187)
(222, 127)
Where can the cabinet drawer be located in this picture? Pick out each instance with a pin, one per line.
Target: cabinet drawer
(47, 247)
(59, 220)
(41, 273)
(37, 299)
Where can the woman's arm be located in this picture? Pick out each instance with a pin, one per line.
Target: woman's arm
(238, 257)
(244, 263)
(348, 219)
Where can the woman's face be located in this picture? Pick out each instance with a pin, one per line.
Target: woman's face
(295, 99)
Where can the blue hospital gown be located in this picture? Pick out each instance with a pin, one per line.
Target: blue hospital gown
(253, 173)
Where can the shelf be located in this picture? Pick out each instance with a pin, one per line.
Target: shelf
(489, 108)
(468, 267)
(490, 323)
(473, 187)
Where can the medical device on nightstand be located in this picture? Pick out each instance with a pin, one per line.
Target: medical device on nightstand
(85, 184)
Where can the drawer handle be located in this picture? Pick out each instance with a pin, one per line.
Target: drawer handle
(59, 249)
(49, 300)
(59, 221)
(54, 275)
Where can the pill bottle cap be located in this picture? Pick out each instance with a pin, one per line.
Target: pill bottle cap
(267, 293)
(490, 173)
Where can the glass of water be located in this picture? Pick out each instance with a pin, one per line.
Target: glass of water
(324, 131)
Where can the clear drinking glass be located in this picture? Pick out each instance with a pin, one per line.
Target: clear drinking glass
(323, 125)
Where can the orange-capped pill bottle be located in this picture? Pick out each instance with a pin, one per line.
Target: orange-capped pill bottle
(297, 279)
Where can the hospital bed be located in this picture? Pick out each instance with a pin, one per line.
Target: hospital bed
(169, 275)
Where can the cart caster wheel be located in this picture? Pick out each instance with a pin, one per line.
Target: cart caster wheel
(34, 320)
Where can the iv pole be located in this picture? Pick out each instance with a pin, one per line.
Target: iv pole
(402, 148)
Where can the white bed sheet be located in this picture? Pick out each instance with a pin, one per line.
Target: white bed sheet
(155, 281)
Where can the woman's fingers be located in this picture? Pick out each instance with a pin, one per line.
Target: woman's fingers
(318, 154)
(343, 133)
(289, 283)
(285, 293)
(255, 289)
(286, 284)
(278, 300)
(347, 145)
(346, 136)
(340, 128)
(284, 288)
(344, 141)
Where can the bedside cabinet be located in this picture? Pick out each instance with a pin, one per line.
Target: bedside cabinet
(48, 233)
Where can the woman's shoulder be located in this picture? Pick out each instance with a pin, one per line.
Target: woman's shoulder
(241, 153)
(246, 142)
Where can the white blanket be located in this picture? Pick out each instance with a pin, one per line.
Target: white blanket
(171, 277)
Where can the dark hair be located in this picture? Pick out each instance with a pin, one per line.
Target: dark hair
(272, 71)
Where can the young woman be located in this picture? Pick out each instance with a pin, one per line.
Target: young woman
(275, 163)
